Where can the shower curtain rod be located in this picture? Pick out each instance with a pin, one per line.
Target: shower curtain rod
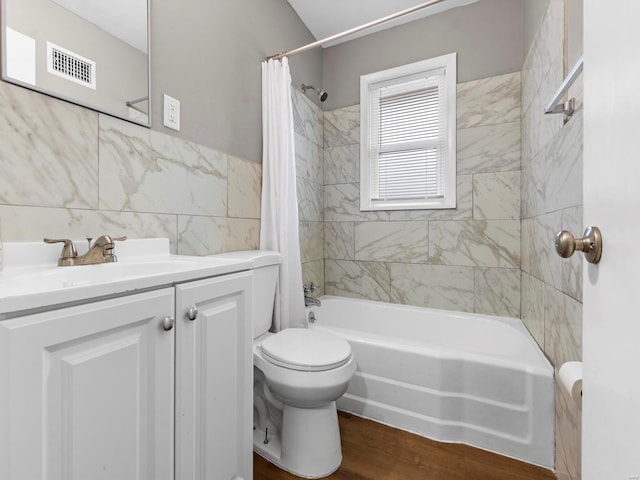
(351, 31)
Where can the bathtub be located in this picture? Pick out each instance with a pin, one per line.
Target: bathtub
(450, 376)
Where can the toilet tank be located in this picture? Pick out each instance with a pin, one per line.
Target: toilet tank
(265, 265)
(264, 292)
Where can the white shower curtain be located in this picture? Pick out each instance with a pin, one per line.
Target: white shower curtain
(279, 216)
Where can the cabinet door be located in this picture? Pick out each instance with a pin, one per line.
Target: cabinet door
(214, 379)
(90, 392)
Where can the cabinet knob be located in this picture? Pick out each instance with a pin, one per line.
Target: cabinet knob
(168, 323)
(192, 314)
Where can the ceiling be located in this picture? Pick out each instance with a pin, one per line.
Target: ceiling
(328, 17)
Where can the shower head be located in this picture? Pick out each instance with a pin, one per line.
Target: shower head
(322, 95)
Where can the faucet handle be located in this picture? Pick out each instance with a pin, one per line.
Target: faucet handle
(68, 249)
(309, 287)
(107, 240)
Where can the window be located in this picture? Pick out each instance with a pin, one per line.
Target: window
(408, 136)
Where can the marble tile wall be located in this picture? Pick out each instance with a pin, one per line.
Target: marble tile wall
(467, 258)
(69, 172)
(552, 201)
(308, 128)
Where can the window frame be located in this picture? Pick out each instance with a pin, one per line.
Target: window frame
(393, 76)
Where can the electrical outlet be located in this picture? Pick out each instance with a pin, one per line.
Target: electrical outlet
(171, 113)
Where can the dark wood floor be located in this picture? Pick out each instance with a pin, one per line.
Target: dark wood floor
(373, 451)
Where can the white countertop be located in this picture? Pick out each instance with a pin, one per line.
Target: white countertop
(31, 279)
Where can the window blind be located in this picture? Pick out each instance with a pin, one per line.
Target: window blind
(408, 139)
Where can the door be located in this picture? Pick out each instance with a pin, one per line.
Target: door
(611, 335)
(90, 391)
(214, 379)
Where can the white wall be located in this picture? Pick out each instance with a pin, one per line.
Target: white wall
(487, 36)
(207, 54)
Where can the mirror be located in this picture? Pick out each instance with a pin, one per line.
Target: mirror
(89, 52)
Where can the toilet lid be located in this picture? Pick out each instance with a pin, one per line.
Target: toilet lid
(306, 349)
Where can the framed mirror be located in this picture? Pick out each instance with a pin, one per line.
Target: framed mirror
(89, 52)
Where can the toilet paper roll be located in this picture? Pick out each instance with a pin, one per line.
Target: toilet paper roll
(571, 378)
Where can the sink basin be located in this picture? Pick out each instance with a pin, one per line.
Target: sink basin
(37, 286)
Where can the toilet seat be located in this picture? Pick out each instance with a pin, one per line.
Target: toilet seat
(307, 350)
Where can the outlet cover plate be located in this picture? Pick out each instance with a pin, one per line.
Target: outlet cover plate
(171, 113)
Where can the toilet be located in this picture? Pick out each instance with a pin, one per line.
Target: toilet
(299, 374)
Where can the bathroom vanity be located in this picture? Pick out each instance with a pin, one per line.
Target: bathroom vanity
(140, 369)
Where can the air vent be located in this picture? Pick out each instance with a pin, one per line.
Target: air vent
(71, 66)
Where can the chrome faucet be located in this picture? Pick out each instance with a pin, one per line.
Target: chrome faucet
(309, 288)
(100, 252)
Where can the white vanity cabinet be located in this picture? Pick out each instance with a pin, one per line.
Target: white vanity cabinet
(214, 379)
(90, 391)
(106, 390)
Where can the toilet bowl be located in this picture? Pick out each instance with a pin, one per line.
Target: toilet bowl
(304, 438)
(298, 376)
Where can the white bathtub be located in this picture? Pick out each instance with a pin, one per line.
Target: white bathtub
(450, 376)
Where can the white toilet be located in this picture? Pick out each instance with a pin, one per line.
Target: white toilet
(298, 376)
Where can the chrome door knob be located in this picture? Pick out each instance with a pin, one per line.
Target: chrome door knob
(192, 314)
(590, 244)
(168, 323)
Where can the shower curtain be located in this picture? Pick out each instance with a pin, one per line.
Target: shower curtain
(279, 215)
